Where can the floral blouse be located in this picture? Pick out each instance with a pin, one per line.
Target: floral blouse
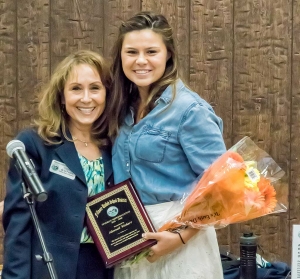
(94, 175)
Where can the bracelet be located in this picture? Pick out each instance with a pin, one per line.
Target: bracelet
(179, 236)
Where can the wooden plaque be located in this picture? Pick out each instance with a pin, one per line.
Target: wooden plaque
(116, 220)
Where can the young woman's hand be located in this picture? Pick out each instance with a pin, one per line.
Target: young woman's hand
(167, 242)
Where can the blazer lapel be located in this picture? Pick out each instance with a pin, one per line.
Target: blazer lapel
(68, 154)
(106, 157)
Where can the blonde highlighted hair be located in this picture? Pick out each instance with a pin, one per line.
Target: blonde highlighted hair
(52, 121)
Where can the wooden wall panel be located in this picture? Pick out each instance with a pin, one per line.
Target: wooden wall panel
(8, 87)
(294, 210)
(211, 56)
(177, 13)
(262, 52)
(117, 11)
(33, 56)
(75, 24)
(211, 63)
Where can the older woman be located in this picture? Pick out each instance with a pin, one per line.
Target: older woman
(71, 152)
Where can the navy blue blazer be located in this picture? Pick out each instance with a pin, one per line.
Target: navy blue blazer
(61, 216)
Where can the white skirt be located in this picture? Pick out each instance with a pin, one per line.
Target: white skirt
(198, 259)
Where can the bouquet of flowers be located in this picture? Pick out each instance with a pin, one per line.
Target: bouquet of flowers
(239, 186)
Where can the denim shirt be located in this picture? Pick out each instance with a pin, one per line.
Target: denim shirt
(166, 151)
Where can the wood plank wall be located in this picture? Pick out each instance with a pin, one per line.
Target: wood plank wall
(243, 56)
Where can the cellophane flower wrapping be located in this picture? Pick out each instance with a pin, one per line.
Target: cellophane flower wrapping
(240, 185)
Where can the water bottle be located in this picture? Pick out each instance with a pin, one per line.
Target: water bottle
(248, 248)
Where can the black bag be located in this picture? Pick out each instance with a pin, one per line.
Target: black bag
(231, 268)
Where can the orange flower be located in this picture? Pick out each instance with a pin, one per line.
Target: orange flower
(267, 200)
(269, 192)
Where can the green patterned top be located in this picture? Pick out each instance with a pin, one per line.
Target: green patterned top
(94, 176)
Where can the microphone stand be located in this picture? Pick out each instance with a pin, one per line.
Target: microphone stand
(47, 257)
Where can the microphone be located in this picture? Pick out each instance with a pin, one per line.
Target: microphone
(16, 149)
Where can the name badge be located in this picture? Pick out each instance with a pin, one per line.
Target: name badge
(61, 169)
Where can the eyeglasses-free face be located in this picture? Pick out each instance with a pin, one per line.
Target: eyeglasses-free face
(84, 96)
(144, 57)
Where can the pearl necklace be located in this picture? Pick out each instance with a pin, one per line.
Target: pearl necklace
(85, 142)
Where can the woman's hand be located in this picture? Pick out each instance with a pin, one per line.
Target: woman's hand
(167, 242)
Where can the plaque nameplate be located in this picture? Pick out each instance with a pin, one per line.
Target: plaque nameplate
(116, 220)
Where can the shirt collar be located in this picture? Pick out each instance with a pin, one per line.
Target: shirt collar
(166, 97)
(129, 119)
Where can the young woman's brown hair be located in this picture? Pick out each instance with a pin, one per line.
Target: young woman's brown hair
(124, 91)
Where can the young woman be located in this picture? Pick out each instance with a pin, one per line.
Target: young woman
(168, 136)
(71, 152)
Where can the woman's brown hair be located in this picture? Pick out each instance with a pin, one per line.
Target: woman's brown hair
(125, 93)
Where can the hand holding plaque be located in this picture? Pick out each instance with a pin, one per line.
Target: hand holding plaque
(116, 220)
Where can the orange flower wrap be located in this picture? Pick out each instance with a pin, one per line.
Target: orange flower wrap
(221, 197)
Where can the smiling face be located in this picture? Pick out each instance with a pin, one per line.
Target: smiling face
(84, 96)
(144, 57)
